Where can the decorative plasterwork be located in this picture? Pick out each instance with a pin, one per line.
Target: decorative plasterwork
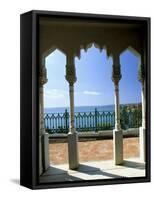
(70, 74)
(116, 73)
(70, 38)
(43, 76)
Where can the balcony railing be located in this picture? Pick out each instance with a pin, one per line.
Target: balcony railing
(91, 121)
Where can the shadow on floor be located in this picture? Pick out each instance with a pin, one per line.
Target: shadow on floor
(87, 171)
(90, 170)
(54, 171)
(54, 174)
(133, 164)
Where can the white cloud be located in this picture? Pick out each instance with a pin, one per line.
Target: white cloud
(55, 94)
(91, 93)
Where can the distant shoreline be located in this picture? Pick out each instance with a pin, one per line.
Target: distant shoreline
(87, 108)
(125, 104)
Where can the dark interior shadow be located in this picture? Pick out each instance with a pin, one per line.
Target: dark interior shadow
(135, 165)
(54, 171)
(95, 171)
(15, 181)
(54, 174)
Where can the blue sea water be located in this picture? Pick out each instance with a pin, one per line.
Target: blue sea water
(80, 109)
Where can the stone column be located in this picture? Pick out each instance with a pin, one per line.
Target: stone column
(117, 132)
(43, 136)
(142, 129)
(72, 135)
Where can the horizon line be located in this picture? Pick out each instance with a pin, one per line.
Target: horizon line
(94, 105)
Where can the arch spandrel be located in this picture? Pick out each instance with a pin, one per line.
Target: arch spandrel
(71, 37)
(48, 52)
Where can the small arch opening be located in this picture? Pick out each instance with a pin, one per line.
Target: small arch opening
(130, 98)
(94, 99)
(56, 101)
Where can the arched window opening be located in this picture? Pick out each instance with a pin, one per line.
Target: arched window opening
(94, 99)
(94, 86)
(130, 87)
(56, 100)
(130, 99)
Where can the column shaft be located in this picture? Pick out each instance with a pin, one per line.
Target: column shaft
(42, 127)
(142, 130)
(40, 131)
(117, 108)
(143, 105)
(43, 136)
(117, 132)
(72, 135)
(71, 94)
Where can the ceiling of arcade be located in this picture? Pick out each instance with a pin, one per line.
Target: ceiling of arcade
(72, 35)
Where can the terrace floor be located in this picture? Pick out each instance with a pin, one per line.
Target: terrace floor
(131, 167)
(94, 150)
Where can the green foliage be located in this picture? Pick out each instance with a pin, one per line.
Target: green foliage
(130, 116)
(124, 120)
(104, 126)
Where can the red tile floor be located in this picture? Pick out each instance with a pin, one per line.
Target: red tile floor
(93, 150)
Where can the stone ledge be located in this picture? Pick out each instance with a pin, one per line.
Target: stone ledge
(87, 136)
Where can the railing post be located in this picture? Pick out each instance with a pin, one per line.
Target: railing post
(95, 119)
(66, 121)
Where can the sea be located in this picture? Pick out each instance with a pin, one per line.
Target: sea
(80, 109)
(54, 122)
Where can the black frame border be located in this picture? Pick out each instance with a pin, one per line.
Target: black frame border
(29, 100)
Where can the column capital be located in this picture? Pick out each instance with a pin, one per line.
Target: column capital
(71, 74)
(141, 74)
(43, 76)
(116, 73)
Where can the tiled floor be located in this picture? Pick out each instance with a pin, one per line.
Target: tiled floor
(94, 170)
(95, 150)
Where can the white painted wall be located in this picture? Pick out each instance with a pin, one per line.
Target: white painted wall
(9, 99)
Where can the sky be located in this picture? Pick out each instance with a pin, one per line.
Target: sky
(94, 85)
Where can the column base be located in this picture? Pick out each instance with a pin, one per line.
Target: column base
(118, 146)
(45, 150)
(142, 144)
(73, 150)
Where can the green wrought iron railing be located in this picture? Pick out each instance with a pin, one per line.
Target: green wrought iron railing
(91, 121)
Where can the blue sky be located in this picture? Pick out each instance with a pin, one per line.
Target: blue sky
(94, 85)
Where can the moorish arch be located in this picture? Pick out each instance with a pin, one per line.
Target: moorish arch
(43, 136)
(141, 78)
(92, 65)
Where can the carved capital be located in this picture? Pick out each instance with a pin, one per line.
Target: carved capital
(141, 74)
(116, 73)
(70, 74)
(43, 76)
